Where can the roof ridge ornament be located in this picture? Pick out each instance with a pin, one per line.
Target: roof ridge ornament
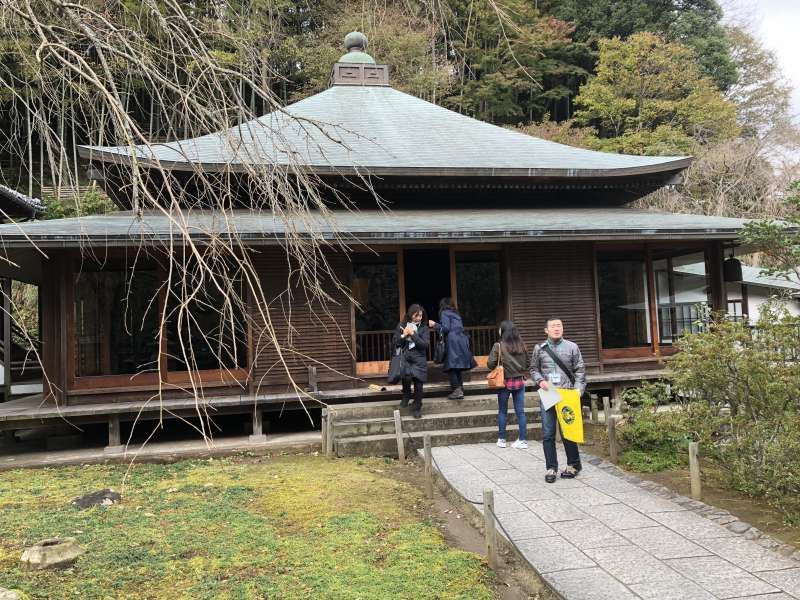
(356, 67)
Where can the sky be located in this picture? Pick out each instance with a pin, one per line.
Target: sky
(777, 24)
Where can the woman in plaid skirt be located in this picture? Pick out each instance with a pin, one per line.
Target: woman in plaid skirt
(512, 353)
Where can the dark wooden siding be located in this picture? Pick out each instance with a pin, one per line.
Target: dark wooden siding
(309, 333)
(555, 280)
(52, 282)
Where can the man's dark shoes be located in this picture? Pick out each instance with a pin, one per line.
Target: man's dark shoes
(403, 402)
(570, 472)
(550, 476)
(416, 410)
(456, 394)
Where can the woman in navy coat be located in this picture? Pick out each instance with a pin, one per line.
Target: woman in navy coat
(458, 357)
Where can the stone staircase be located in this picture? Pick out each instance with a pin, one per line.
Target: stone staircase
(368, 428)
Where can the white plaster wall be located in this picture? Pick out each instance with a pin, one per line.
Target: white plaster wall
(758, 296)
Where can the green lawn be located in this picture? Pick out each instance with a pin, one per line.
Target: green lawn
(291, 527)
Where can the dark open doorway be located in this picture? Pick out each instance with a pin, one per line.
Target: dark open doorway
(427, 275)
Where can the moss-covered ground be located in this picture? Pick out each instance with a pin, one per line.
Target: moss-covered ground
(289, 527)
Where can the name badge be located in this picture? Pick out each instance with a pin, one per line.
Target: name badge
(555, 378)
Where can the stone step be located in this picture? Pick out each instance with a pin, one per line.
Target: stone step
(386, 444)
(386, 408)
(428, 422)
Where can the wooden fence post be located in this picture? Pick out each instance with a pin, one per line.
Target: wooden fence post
(593, 404)
(428, 466)
(398, 432)
(611, 429)
(613, 448)
(329, 435)
(488, 517)
(694, 471)
(323, 429)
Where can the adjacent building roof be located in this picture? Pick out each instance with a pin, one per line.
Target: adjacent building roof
(361, 125)
(750, 276)
(14, 204)
(372, 226)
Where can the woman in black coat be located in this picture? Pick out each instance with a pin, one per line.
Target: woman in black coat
(412, 333)
(458, 357)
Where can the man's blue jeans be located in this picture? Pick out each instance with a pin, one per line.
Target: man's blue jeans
(549, 424)
(519, 408)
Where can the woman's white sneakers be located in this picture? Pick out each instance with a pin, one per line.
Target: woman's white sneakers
(519, 444)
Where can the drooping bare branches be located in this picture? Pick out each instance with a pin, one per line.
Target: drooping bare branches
(131, 75)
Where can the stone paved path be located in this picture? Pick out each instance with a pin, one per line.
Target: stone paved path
(603, 536)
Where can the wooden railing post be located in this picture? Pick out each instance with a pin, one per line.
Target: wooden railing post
(593, 404)
(489, 525)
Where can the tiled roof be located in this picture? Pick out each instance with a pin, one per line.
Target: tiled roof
(382, 131)
(372, 226)
(17, 204)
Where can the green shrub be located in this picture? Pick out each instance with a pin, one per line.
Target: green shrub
(650, 461)
(93, 202)
(656, 392)
(654, 441)
(762, 459)
(754, 374)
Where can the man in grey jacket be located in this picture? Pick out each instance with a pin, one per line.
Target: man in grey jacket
(546, 372)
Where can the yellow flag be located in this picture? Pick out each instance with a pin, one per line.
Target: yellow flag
(569, 415)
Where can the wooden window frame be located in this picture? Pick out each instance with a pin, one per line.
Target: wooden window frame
(655, 349)
(144, 381)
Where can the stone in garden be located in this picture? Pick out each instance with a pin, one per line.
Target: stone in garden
(52, 554)
(9, 594)
(724, 520)
(752, 534)
(104, 497)
(738, 527)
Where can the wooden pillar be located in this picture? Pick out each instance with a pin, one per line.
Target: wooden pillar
(401, 281)
(313, 382)
(598, 317)
(507, 282)
(66, 338)
(114, 436)
(7, 351)
(652, 301)
(745, 304)
(673, 312)
(453, 279)
(257, 435)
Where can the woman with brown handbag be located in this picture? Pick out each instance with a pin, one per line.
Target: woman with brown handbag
(510, 355)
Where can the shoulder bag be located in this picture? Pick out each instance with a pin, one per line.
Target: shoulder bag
(440, 351)
(497, 376)
(397, 366)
